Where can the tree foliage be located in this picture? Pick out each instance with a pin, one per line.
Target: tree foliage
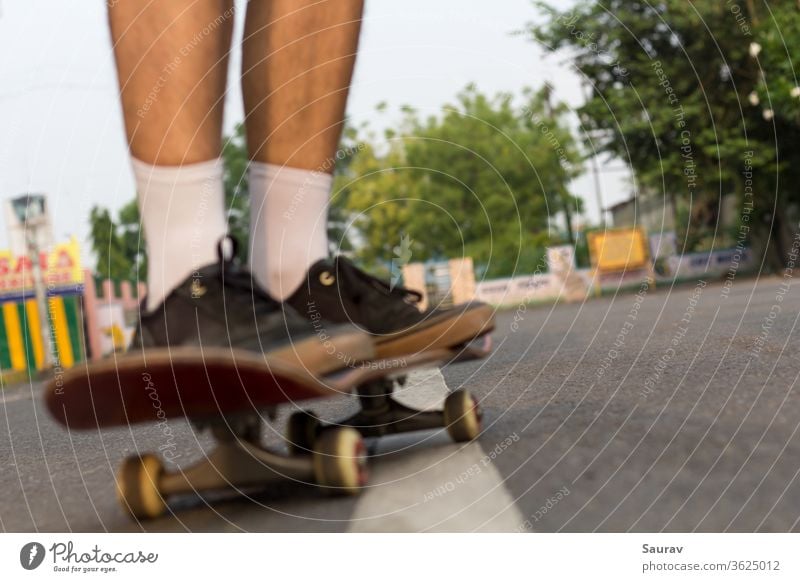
(481, 180)
(777, 49)
(670, 94)
(117, 244)
(237, 201)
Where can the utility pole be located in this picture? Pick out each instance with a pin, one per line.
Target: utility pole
(595, 168)
(563, 196)
(31, 212)
(597, 192)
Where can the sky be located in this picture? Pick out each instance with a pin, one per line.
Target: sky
(61, 129)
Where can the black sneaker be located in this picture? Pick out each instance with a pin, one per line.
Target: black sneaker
(221, 306)
(338, 291)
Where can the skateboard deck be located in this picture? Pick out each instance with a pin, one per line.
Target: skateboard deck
(225, 391)
(390, 368)
(217, 382)
(168, 383)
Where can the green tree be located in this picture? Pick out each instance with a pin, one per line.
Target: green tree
(338, 215)
(482, 180)
(776, 46)
(670, 84)
(237, 201)
(117, 244)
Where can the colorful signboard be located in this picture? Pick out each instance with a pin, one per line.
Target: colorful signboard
(618, 249)
(21, 343)
(61, 269)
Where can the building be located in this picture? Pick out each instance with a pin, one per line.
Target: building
(653, 213)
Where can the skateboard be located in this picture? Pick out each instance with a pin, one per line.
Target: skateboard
(228, 393)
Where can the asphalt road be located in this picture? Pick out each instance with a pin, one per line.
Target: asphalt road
(671, 410)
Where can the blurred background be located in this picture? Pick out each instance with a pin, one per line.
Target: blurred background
(503, 137)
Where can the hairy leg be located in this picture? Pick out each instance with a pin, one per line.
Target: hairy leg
(172, 58)
(296, 69)
(298, 58)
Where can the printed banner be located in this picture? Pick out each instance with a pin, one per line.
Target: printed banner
(618, 249)
(61, 268)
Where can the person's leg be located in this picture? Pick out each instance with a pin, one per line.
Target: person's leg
(297, 65)
(298, 58)
(172, 58)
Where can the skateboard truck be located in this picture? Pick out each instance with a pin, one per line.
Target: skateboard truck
(381, 414)
(337, 462)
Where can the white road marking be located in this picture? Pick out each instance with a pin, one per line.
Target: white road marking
(435, 486)
(15, 396)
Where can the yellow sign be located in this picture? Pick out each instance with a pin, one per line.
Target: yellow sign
(62, 268)
(618, 249)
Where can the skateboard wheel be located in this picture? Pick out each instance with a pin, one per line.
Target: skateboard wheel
(138, 486)
(462, 416)
(340, 460)
(301, 432)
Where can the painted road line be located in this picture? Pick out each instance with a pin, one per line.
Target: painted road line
(14, 395)
(433, 486)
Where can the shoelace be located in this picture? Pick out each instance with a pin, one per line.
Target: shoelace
(233, 275)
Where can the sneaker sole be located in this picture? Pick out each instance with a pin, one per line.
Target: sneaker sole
(443, 331)
(323, 356)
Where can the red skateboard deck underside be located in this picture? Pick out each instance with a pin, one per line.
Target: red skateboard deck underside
(168, 383)
(188, 382)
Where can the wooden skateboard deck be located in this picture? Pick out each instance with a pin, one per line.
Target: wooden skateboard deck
(350, 378)
(214, 382)
(167, 383)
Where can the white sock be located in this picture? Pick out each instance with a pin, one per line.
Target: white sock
(288, 225)
(183, 214)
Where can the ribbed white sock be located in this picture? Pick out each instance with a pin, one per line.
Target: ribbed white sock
(183, 214)
(288, 225)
